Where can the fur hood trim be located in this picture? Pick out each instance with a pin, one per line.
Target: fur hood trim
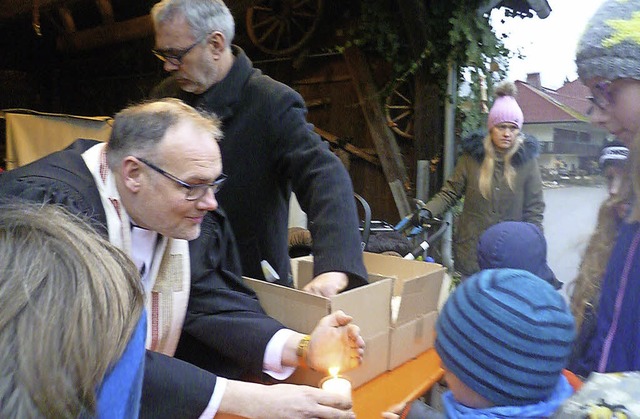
(472, 145)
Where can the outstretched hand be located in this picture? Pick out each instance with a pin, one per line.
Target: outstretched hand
(335, 342)
(282, 401)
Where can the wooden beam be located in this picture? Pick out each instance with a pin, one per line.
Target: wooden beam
(106, 10)
(383, 138)
(117, 32)
(67, 19)
(12, 8)
(349, 148)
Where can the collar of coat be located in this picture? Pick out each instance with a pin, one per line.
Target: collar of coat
(472, 145)
(223, 95)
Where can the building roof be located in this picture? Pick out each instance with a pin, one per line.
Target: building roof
(569, 103)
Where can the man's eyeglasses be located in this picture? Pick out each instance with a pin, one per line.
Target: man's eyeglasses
(602, 97)
(194, 192)
(173, 56)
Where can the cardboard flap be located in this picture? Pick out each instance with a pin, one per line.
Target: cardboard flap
(302, 270)
(393, 266)
(419, 296)
(280, 301)
(369, 306)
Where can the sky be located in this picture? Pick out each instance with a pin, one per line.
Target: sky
(549, 45)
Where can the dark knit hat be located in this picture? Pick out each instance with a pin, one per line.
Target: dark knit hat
(516, 245)
(507, 335)
(614, 152)
(505, 108)
(610, 47)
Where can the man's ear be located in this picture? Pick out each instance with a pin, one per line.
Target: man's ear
(216, 41)
(132, 174)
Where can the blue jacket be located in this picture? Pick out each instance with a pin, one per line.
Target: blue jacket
(120, 392)
(610, 341)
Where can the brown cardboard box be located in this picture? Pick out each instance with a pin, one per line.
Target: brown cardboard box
(418, 286)
(370, 307)
(300, 311)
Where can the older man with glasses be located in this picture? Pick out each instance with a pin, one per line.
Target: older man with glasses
(268, 150)
(196, 301)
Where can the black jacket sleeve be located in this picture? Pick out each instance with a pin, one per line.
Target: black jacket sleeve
(226, 331)
(173, 388)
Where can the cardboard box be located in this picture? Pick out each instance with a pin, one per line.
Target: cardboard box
(300, 311)
(370, 307)
(418, 286)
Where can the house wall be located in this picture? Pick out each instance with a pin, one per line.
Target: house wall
(552, 157)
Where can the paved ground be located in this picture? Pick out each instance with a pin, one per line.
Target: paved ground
(569, 219)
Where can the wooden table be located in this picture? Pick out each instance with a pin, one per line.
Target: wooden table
(407, 382)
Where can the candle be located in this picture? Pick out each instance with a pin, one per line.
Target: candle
(337, 384)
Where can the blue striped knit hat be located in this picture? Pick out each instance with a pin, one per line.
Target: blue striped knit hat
(507, 335)
(610, 47)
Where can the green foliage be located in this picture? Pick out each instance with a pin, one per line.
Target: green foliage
(455, 33)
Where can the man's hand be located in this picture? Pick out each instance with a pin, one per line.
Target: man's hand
(282, 401)
(335, 342)
(327, 284)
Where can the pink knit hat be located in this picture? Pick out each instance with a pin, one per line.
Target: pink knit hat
(505, 108)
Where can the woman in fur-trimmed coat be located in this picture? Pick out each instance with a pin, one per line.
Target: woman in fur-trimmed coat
(498, 176)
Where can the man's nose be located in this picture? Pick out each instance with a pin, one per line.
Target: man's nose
(208, 201)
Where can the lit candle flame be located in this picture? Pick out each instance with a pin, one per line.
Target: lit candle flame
(334, 371)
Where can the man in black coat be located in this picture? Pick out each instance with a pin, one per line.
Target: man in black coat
(150, 189)
(268, 150)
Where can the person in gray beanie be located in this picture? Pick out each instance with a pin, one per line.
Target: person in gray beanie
(608, 62)
(606, 295)
(504, 337)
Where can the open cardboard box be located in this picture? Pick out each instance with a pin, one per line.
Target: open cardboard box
(418, 286)
(417, 282)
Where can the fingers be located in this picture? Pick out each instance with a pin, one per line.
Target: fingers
(343, 319)
(336, 319)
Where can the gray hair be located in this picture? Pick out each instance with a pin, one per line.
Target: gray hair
(203, 16)
(138, 129)
(69, 303)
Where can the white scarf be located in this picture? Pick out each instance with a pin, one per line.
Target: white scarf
(167, 292)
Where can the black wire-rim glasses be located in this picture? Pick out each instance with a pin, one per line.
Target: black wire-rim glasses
(176, 57)
(194, 192)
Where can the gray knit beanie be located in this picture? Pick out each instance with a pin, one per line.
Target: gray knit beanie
(610, 45)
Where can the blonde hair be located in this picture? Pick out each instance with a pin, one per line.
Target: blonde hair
(588, 282)
(489, 161)
(69, 302)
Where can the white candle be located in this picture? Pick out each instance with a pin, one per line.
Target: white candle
(337, 385)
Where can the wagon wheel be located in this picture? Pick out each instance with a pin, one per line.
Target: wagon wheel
(280, 27)
(398, 107)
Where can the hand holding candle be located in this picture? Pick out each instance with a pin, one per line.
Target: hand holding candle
(335, 342)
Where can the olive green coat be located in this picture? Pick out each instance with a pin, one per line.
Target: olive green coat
(523, 203)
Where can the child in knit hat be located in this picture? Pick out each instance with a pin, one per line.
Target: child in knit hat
(498, 176)
(504, 337)
(516, 245)
(606, 298)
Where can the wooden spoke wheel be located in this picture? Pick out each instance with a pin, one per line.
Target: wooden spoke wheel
(398, 107)
(281, 27)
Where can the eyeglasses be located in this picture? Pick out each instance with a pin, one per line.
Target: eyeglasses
(505, 127)
(602, 96)
(173, 56)
(194, 192)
